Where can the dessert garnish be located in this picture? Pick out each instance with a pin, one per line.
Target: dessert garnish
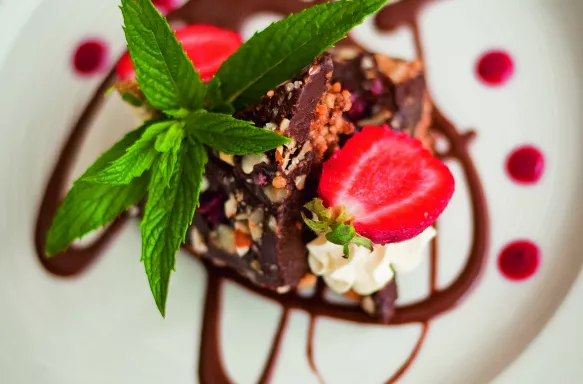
(165, 158)
(382, 187)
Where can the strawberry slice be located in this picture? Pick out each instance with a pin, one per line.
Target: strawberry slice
(207, 47)
(392, 187)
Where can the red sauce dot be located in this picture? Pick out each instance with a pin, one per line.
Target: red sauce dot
(495, 68)
(525, 164)
(90, 57)
(519, 260)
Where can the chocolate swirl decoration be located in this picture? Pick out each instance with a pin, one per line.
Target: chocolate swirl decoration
(210, 366)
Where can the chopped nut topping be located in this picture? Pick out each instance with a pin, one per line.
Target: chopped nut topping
(314, 69)
(276, 195)
(307, 281)
(284, 289)
(248, 162)
(368, 305)
(300, 182)
(284, 124)
(256, 224)
(197, 242)
(229, 159)
(329, 120)
(204, 186)
(224, 238)
(271, 126)
(231, 206)
(270, 93)
(242, 226)
(272, 224)
(242, 242)
(279, 182)
(289, 87)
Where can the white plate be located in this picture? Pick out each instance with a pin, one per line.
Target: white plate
(103, 326)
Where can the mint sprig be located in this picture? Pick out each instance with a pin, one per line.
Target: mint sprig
(164, 160)
(281, 50)
(336, 225)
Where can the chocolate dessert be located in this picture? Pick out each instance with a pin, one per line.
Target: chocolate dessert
(250, 214)
(395, 101)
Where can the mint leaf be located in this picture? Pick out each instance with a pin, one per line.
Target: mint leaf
(214, 98)
(169, 144)
(281, 50)
(170, 139)
(89, 206)
(231, 136)
(165, 73)
(168, 213)
(137, 159)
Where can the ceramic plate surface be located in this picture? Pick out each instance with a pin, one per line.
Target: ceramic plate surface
(102, 325)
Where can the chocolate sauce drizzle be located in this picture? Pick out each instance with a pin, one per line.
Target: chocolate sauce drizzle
(211, 369)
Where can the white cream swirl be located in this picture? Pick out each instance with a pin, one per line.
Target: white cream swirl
(365, 272)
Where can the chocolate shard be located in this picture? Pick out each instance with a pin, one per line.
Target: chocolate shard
(384, 90)
(259, 231)
(381, 304)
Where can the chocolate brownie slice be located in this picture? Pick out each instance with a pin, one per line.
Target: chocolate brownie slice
(250, 214)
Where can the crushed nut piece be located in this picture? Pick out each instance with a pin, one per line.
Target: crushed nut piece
(229, 159)
(276, 195)
(224, 238)
(231, 206)
(242, 242)
(272, 224)
(284, 125)
(279, 181)
(248, 162)
(307, 281)
(368, 305)
(284, 289)
(300, 182)
(271, 126)
(314, 69)
(204, 185)
(256, 224)
(270, 93)
(197, 242)
(242, 226)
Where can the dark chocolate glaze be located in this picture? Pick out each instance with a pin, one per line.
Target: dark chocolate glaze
(210, 366)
